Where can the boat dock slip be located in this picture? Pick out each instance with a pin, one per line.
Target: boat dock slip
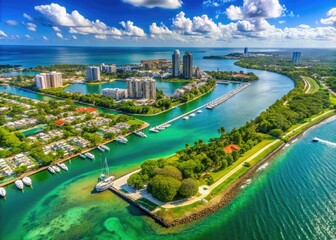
(220, 100)
(215, 102)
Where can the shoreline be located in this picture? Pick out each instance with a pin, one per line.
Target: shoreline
(228, 194)
(234, 188)
(30, 173)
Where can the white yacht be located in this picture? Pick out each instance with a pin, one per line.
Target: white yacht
(19, 184)
(2, 192)
(27, 181)
(122, 140)
(105, 147)
(140, 134)
(101, 149)
(50, 169)
(82, 156)
(154, 130)
(186, 118)
(105, 180)
(192, 115)
(89, 155)
(167, 125)
(57, 169)
(160, 128)
(63, 166)
(199, 111)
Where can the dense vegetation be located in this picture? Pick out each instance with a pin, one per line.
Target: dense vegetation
(233, 76)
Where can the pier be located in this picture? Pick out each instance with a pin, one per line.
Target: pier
(214, 103)
(220, 100)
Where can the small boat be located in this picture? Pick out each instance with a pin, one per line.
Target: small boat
(101, 149)
(105, 147)
(82, 156)
(19, 184)
(192, 115)
(63, 166)
(209, 107)
(122, 140)
(153, 130)
(57, 169)
(105, 179)
(186, 118)
(50, 169)
(199, 111)
(2, 192)
(140, 134)
(167, 125)
(160, 128)
(89, 155)
(27, 181)
(315, 139)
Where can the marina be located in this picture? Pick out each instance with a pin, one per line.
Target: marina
(222, 99)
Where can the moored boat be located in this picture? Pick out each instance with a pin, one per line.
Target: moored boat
(105, 147)
(105, 179)
(167, 125)
(153, 130)
(122, 140)
(82, 156)
(160, 128)
(186, 118)
(50, 169)
(57, 169)
(199, 111)
(63, 166)
(2, 192)
(19, 184)
(89, 155)
(140, 134)
(101, 149)
(315, 139)
(27, 181)
(192, 115)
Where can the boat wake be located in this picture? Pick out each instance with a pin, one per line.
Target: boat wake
(331, 144)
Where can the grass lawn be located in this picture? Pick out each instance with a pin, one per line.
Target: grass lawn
(314, 87)
(147, 204)
(218, 174)
(134, 121)
(332, 99)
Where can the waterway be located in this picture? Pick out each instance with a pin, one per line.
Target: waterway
(61, 206)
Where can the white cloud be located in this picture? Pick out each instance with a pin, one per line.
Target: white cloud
(331, 17)
(171, 4)
(255, 9)
(3, 34)
(74, 37)
(31, 26)
(101, 37)
(78, 24)
(215, 3)
(304, 26)
(159, 30)
(25, 15)
(59, 35)
(282, 21)
(56, 29)
(28, 37)
(12, 23)
(45, 38)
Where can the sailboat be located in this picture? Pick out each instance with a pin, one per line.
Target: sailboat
(105, 179)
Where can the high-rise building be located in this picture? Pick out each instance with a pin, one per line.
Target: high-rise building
(176, 61)
(187, 65)
(115, 93)
(49, 80)
(92, 73)
(245, 51)
(141, 88)
(296, 57)
(108, 68)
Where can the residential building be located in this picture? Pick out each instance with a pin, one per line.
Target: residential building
(187, 65)
(246, 51)
(197, 72)
(176, 61)
(48, 80)
(93, 73)
(108, 68)
(155, 64)
(296, 57)
(141, 88)
(115, 93)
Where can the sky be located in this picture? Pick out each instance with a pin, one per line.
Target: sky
(169, 23)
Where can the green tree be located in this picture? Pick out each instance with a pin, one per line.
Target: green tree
(188, 188)
(168, 171)
(164, 188)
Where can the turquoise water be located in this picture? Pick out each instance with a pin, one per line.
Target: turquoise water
(296, 191)
(167, 88)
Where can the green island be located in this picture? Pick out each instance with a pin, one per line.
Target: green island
(233, 76)
(205, 176)
(63, 129)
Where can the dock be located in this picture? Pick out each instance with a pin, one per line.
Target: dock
(215, 102)
(222, 99)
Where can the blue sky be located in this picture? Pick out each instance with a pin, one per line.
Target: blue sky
(213, 23)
